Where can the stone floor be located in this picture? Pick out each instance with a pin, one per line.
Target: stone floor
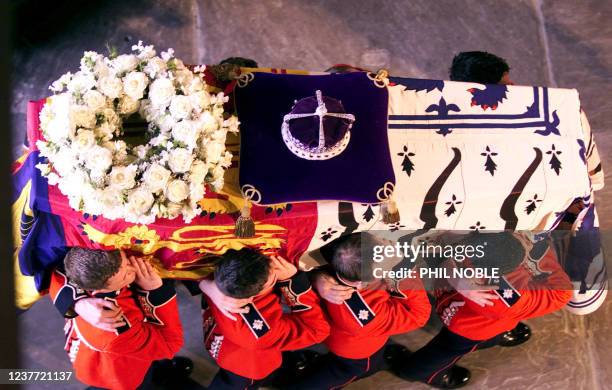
(560, 43)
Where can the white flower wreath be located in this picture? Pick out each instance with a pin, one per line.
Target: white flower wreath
(102, 175)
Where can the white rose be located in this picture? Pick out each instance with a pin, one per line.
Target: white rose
(146, 52)
(217, 112)
(59, 124)
(231, 123)
(83, 116)
(189, 213)
(44, 149)
(81, 83)
(162, 157)
(166, 123)
(119, 150)
(94, 100)
(213, 150)
(145, 107)
(177, 191)
(140, 151)
(46, 116)
(84, 140)
(53, 178)
(180, 160)
(186, 132)
(226, 160)
(134, 84)
(217, 185)
(122, 178)
(168, 54)
(217, 172)
(59, 129)
(155, 66)
(196, 85)
(64, 161)
(73, 186)
(139, 201)
(110, 199)
(110, 86)
(173, 209)
(179, 64)
(161, 139)
(97, 178)
(198, 172)
(105, 131)
(101, 68)
(180, 108)
(91, 204)
(161, 92)
(128, 106)
(99, 159)
(124, 63)
(156, 177)
(196, 192)
(209, 122)
(59, 84)
(219, 136)
(200, 99)
(89, 60)
(111, 117)
(184, 77)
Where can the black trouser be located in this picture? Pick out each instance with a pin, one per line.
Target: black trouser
(439, 355)
(227, 380)
(335, 372)
(147, 382)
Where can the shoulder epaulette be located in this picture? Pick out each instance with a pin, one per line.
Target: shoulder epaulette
(360, 310)
(293, 288)
(151, 300)
(67, 296)
(255, 321)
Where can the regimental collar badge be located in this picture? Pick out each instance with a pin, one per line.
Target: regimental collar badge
(317, 128)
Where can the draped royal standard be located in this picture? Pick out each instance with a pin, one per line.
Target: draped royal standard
(512, 158)
(469, 156)
(465, 156)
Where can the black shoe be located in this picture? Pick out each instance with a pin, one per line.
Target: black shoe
(170, 371)
(394, 354)
(453, 378)
(296, 365)
(516, 336)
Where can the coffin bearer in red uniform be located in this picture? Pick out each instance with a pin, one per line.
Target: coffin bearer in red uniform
(362, 324)
(249, 350)
(527, 288)
(146, 325)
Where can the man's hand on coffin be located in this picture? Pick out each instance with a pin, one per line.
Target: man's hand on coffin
(100, 313)
(283, 269)
(330, 290)
(482, 295)
(226, 305)
(146, 277)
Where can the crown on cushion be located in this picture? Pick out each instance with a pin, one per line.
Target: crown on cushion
(317, 128)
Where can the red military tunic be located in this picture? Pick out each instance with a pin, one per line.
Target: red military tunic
(529, 292)
(363, 323)
(120, 359)
(252, 345)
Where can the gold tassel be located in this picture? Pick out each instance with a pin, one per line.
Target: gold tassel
(245, 226)
(389, 211)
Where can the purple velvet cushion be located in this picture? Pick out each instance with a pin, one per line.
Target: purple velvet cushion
(353, 109)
